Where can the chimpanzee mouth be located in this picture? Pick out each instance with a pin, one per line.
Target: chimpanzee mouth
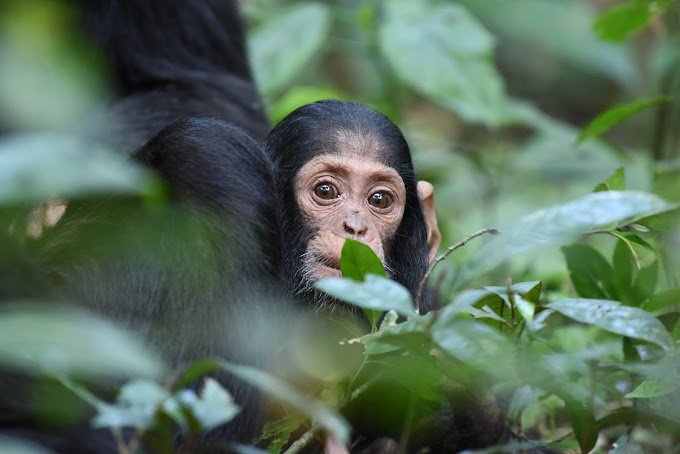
(329, 267)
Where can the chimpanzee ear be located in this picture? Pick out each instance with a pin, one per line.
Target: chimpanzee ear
(434, 238)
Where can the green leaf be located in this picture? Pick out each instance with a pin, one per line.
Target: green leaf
(50, 338)
(616, 182)
(563, 223)
(328, 418)
(357, 260)
(633, 285)
(283, 46)
(623, 20)
(653, 387)
(375, 293)
(213, 407)
(135, 406)
(613, 317)
(417, 373)
(616, 115)
(583, 423)
(475, 344)
(34, 168)
(526, 308)
(590, 273)
(399, 336)
(669, 298)
(443, 52)
(277, 433)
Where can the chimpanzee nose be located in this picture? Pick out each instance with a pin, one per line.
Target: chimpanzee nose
(354, 225)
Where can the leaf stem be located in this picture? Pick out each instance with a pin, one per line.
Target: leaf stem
(446, 253)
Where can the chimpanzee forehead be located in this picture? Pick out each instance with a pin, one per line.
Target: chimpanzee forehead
(364, 144)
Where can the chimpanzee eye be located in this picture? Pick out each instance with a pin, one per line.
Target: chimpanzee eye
(380, 200)
(326, 191)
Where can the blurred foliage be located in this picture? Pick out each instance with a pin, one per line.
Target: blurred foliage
(515, 110)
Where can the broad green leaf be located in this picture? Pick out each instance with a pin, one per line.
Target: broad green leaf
(616, 115)
(417, 373)
(34, 168)
(358, 260)
(443, 52)
(633, 285)
(625, 19)
(616, 318)
(375, 293)
(590, 273)
(280, 48)
(399, 336)
(475, 344)
(213, 407)
(616, 182)
(330, 420)
(627, 445)
(55, 339)
(563, 223)
(583, 423)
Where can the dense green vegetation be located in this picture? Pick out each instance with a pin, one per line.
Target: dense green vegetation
(554, 122)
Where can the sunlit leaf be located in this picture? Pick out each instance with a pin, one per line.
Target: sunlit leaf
(376, 293)
(280, 48)
(616, 318)
(616, 115)
(561, 224)
(446, 54)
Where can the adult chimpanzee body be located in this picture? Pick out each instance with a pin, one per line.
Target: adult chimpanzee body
(202, 277)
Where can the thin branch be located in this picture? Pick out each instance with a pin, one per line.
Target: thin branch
(446, 253)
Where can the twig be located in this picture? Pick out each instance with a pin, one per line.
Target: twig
(449, 250)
